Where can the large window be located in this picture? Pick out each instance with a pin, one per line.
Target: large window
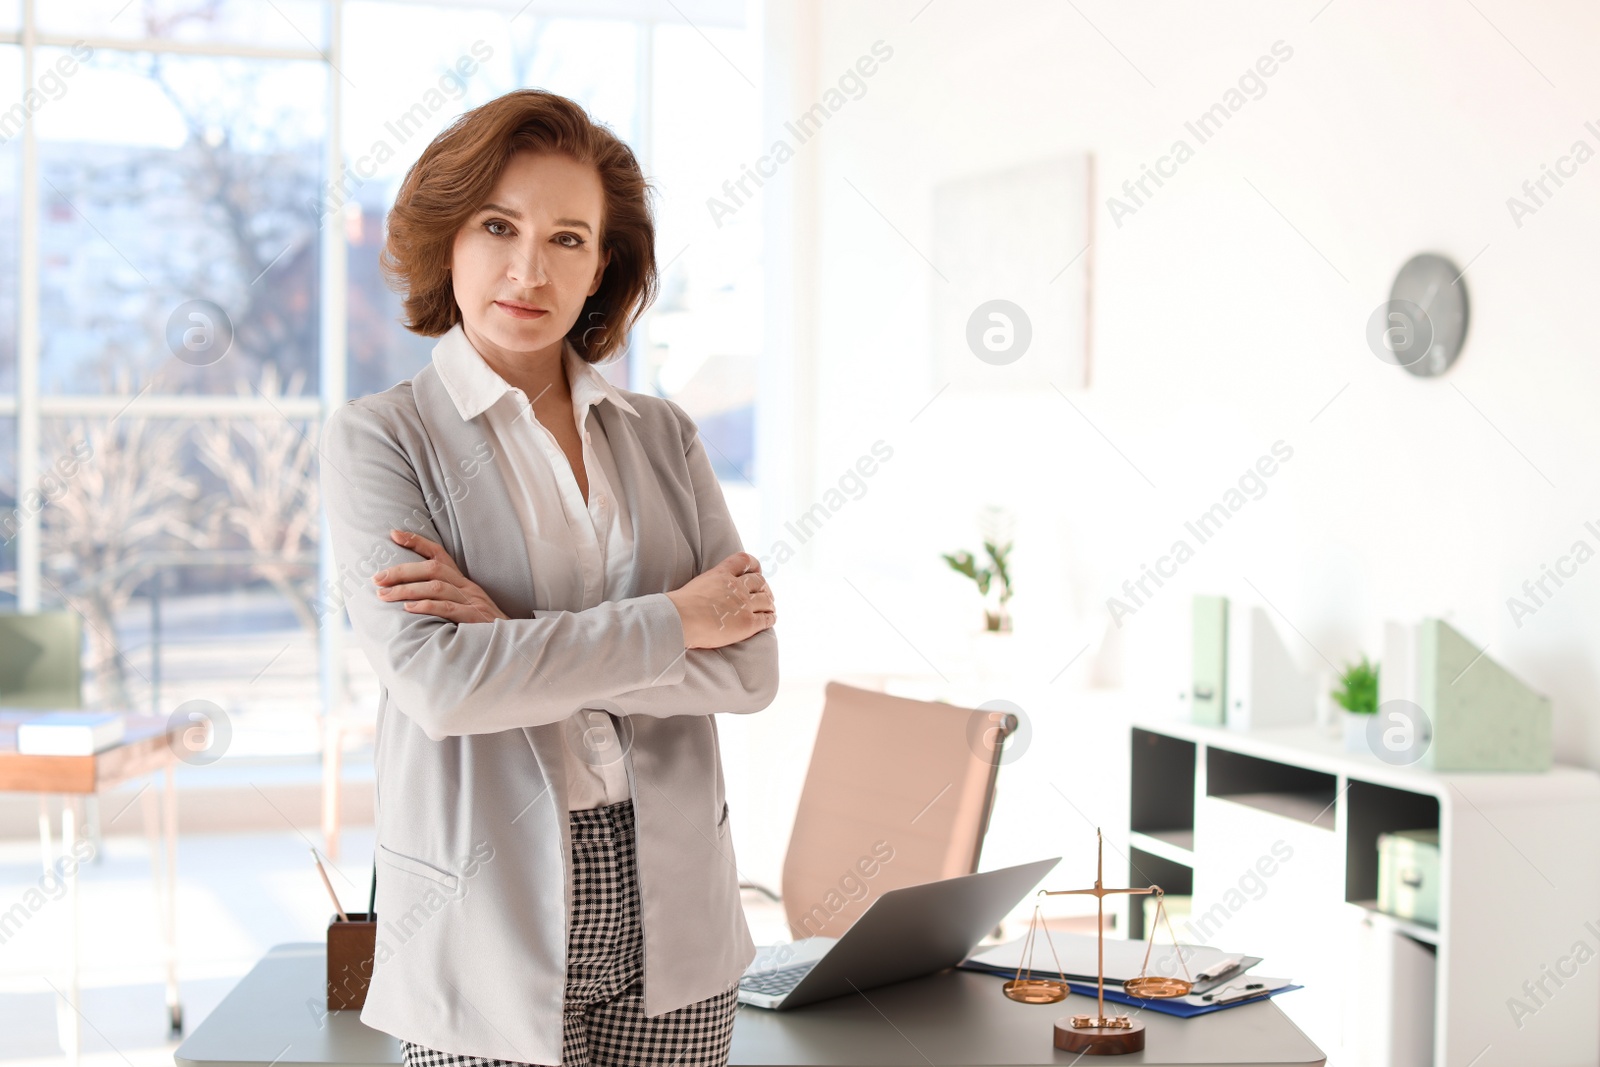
(408, 86)
(10, 203)
(169, 183)
(205, 287)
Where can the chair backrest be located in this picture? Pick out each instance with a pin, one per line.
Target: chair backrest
(898, 793)
(41, 660)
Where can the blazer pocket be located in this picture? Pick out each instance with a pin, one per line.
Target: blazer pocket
(722, 822)
(417, 867)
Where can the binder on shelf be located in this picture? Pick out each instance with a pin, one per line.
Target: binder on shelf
(1208, 692)
(1480, 717)
(1265, 687)
(1397, 674)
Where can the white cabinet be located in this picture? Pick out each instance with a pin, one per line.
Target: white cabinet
(1388, 992)
(1266, 873)
(1274, 832)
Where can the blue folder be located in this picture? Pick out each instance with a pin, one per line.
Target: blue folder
(1167, 1005)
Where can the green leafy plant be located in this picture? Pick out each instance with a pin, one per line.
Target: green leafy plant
(1358, 688)
(993, 575)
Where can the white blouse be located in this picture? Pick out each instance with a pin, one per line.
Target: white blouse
(579, 551)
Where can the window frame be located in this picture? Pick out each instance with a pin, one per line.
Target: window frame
(29, 406)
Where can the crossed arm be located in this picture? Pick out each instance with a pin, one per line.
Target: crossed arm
(457, 678)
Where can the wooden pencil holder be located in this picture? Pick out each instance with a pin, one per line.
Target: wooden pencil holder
(351, 945)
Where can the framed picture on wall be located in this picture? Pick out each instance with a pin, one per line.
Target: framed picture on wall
(1012, 292)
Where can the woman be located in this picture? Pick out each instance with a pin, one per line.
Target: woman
(558, 604)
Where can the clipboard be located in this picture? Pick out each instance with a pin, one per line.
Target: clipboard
(1182, 1007)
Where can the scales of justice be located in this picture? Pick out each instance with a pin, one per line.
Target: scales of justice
(1097, 1035)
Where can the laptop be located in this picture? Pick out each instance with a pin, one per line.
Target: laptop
(905, 933)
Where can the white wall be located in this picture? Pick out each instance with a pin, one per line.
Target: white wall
(1393, 129)
(1220, 329)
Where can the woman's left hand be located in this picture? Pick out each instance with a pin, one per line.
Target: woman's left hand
(434, 585)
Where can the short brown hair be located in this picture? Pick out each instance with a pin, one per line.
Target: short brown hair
(453, 177)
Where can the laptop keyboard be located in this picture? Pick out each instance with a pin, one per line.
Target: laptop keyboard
(776, 983)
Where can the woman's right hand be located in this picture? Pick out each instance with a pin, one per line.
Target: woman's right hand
(726, 604)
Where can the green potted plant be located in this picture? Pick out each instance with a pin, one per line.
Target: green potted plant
(993, 576)
(1358, 696)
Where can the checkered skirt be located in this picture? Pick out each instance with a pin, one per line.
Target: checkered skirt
(604, 1024)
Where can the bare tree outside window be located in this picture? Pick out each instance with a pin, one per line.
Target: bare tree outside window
(270, 501)
(130, 497)
(129, 233)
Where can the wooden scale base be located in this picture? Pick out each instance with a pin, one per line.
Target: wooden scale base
(1099, 1040)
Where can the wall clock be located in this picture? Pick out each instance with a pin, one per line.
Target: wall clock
(1427, 315)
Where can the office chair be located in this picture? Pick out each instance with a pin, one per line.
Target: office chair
(41, 660)
(898, 793)
(41, 666)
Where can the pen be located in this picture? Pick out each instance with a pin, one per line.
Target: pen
(1250, 991)
(336, 905)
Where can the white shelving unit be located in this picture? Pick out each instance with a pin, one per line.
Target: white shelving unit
(1274, 834)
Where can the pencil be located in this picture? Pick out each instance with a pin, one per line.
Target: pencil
(336, 905)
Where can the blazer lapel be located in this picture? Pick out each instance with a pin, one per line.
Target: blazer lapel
(495, 554)
(656, 569)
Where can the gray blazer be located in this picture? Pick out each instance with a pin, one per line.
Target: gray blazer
(474, 880)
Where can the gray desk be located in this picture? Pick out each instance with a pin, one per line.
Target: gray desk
(277, 1015)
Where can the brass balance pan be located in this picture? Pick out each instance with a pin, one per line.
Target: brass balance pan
(1036, 990)
(1156, 987)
